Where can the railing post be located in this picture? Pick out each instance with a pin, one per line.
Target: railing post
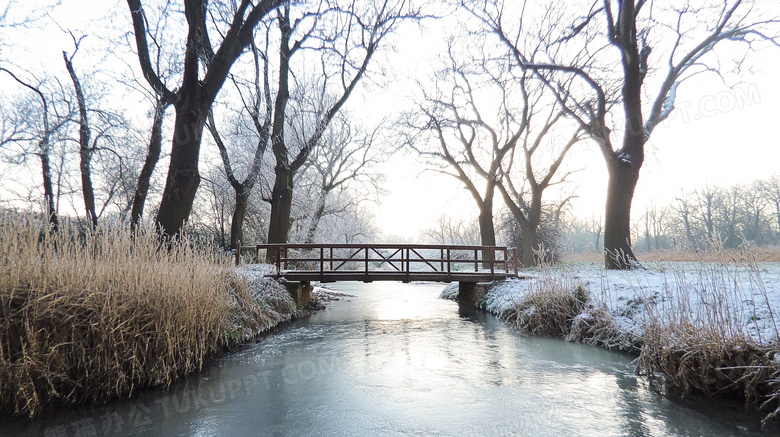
(492, 262)
(322, 260)
(278, 259)
(238, 253)
(449, 264)
(408, 269)
(366, 262)
(441, 257)
(285, 257)
(476, 260)
(330, 249)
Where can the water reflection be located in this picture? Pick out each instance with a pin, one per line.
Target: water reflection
(396, 360)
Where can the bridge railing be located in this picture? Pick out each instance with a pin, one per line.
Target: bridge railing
(373, 259)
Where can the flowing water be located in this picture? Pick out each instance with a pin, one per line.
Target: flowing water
(396, 360)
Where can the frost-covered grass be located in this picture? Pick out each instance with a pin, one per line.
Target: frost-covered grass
(710, 326)
(90, 317)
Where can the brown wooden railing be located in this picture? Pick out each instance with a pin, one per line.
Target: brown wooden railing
(385, 262)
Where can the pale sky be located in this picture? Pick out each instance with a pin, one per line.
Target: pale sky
(715, 136)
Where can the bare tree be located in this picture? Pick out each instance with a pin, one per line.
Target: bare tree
(770, 188)
(204, 72)
(344, 36)
(483, 142)
(579, 48)
(258, 108)
(451, 231)
(707, 198)
(449, 131)
(52, 118)
(685, 211)
(153, 151)
(344, 159)
(86, 148)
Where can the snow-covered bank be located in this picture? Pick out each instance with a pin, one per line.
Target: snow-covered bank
(710, 327)
(273, 295)
(742, 299)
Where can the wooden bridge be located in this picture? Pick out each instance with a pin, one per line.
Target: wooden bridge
(384, 262)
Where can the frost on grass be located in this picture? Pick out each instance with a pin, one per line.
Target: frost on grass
(739, 300)
(450, 292)
(274, 304)
(707, 326)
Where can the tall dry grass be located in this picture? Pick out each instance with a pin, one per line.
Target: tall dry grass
(551, 304)
(89, 317)
(701, 332)
(699, 339)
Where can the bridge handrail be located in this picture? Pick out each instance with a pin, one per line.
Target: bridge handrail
(364, 254)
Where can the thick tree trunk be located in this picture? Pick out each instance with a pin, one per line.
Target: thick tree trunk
(152, 156)
(623, 165)
(530, 231)
(281, 205)
(237, 222)
(487, 231)
(529, 245)
(623, 178)
(183, 177)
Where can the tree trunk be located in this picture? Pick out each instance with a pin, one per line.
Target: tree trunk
(648, 241)
(623, 178)
(688, 232)
(281, 205)
(86, 188)
(85, 150)
(315, 220)
(48, 190)
(623, 165)
(529, 244)
(152, 156)
(487, 231)
(237, 223)
(183, 177)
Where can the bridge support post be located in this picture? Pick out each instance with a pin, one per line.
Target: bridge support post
(472, 293)
(300, 292)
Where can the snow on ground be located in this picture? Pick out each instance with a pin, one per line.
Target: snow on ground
(744, 299)
(255, 274)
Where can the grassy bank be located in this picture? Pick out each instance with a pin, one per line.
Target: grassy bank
(707, 326)
(87, 318)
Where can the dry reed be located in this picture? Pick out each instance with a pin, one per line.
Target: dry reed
(550, 306)
(90, 317)
(699, 340)
(695, 335)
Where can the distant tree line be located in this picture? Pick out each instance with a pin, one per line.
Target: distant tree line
(707, 217)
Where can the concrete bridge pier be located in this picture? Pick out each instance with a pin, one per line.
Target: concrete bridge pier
(300, 292)
(472, 293)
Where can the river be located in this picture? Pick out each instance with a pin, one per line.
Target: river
(394, 359)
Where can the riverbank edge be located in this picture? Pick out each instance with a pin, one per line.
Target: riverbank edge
(726, 369)
(274, 307)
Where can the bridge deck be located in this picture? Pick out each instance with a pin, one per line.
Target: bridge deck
(385, 262)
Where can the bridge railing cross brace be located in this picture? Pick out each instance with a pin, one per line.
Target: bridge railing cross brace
(386, 262)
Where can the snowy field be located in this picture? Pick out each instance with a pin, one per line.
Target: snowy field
(741, 299)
